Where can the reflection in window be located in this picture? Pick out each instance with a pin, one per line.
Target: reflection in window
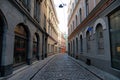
(20, 45)
(115, 38)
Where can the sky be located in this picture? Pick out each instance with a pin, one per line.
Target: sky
(62, 14)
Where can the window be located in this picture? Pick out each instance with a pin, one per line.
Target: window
(99, 33)
(76, 20)
(87, 7)
(37, 10)
(20, 45)
(80, 14)
(44, 21)
(26, 3)
(114, 20)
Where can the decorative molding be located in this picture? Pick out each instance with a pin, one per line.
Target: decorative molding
(102, 22)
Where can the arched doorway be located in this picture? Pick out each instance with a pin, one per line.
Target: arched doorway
(20, 45)
(35, 47)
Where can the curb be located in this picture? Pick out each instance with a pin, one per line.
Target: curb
(94, 70)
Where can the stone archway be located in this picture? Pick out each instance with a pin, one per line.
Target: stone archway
(20, 45)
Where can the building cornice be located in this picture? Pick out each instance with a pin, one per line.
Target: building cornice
(94, 13)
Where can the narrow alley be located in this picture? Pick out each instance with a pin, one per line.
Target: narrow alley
(59, 39)
(59, 67)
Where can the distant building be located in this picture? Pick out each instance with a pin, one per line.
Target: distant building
(93, 33)
(63, 43)
(52, 28)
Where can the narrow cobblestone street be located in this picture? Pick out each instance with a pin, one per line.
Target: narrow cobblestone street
(60, 67)
(63, 68)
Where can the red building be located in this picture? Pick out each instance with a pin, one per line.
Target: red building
(63, 44)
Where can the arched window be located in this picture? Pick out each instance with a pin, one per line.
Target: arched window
(88, 40)
(81, 44)
(20, 45)
(80, 14)
(76, 20)
(100, 41)
(35, 47)
(87, 7)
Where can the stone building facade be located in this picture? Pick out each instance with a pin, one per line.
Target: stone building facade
(63, 43)
(23, 33)
(52, 28)
(93, 29)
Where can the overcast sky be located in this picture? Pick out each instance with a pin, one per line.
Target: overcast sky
(62, 14)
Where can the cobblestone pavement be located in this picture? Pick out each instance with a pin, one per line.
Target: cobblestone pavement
(64, 68)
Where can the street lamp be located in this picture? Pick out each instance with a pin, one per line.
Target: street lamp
(62, 5)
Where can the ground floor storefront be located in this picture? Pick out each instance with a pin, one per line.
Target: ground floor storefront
(19, 44)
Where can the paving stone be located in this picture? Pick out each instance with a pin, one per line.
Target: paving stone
(62, 68)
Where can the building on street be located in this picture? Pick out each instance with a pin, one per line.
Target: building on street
(24, 34)
(63, 43)
(93, 33)
(52, 28)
